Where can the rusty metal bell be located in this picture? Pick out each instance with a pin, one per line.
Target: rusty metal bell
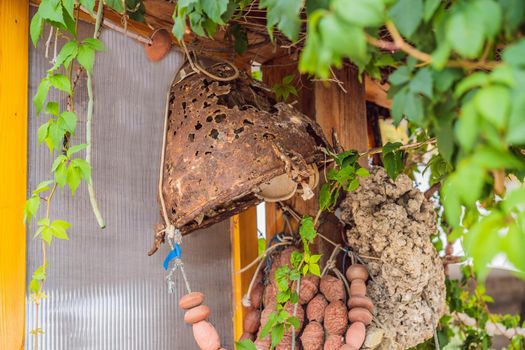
(229, 146)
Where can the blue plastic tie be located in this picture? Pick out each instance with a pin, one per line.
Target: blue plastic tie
(175, 253)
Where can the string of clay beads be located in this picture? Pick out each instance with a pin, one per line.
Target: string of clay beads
(361, 307)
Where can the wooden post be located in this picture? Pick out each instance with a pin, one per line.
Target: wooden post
(244, 251)
(14, 24)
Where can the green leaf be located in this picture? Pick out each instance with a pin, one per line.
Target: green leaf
(116, 5)
(489, 13)
(392, 159)
(493, 158)
(41, 95)
(34, 286)
(474, 80)
(61, 174)
(516, 125)
(36, 27)
(362, 172)
(51, 10)
(73, 178)
(52, 108)
(83, 166)
(293, 321)
(284, 14)
(43, 186)
(414, 108)
(86, 57)
(59, 229)
(214, 9)
(325, 197)
(89, 5)
(430, 8)
(307, 229)
(514, 201)
(407, 15)
(245, 344)
(353, 185)
(314, 269)
(398, 105)
(514, 54)
(68, 121)
(179, 26)
(451, 203)
(465, 32)
(56, 135)
(95, 44)
(466, 128)
(513, 244)
(422, 82)
(66, 55)
(400, 76)
(75, 149)
(59, 160)
(277, 334)
(493, 104)
(362, 13)
(40, 273)
(31, 208)
(43, 132)
(483, 242)
(60, 82)
(272, 319)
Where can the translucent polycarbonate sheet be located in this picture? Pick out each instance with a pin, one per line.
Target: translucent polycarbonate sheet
(103, 291)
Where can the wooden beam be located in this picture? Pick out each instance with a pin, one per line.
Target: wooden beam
(14, 24)
(244, 250)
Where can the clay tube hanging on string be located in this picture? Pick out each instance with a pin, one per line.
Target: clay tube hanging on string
(229, 145)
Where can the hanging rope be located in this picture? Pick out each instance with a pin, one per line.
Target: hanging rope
(172, 234)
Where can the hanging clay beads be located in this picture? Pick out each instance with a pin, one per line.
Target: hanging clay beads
(361, 307)
(205, 334)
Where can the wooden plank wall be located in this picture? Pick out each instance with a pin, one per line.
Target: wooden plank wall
(14, 26)
(334, 109)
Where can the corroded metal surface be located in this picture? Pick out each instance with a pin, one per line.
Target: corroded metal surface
(226, 138)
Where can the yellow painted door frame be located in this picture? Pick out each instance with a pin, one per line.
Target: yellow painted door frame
(14, 24)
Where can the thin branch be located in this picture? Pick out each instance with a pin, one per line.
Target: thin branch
(399, 44)
(89, 122)
(378, 150)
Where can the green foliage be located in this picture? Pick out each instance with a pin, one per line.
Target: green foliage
(284, 89)
(393, 159)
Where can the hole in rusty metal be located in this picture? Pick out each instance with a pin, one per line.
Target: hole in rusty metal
(183, 105)
(197, 154)
(239, 130)
(220, 117)
(198, 126)
(209, 119)
(206, 104)
(214, 133)
(318, 140)
(268, 136)
(191, 137)
(247, 122)
(207, 153)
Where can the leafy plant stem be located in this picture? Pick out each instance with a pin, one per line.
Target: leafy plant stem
(89, 121)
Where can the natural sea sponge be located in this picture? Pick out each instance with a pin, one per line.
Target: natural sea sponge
(308, 289)
(332, 288)
(315, 308)
(335, 318)
(393, 222)
(333, 342)
(313, 336)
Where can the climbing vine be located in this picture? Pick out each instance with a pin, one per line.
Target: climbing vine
(75, 57)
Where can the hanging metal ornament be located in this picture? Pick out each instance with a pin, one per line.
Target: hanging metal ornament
(229, 145)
